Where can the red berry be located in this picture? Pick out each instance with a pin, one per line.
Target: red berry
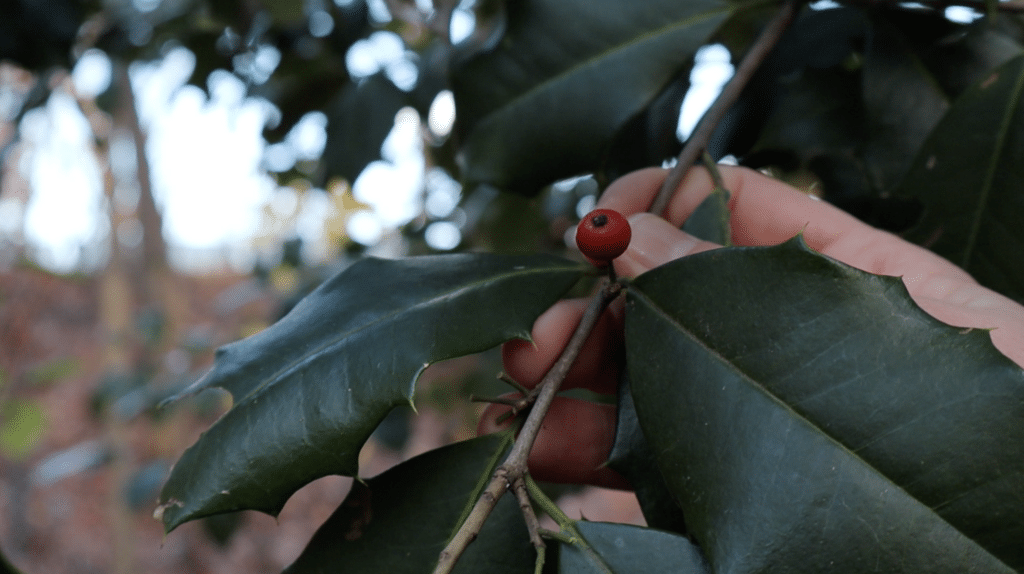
(603, 235)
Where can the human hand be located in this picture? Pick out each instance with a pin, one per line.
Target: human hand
(576, 437)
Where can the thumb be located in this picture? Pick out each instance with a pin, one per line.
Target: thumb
(656, 242)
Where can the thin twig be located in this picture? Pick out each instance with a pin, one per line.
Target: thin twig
(550, 508)
(503, 377)
(529, 396)
(557, 535)
(549, 385)
(570, 534)
(698, 140)
(515, 468)
(538, 565)
(532, 524)
(496, 400)
(474, 522)
(716, 175)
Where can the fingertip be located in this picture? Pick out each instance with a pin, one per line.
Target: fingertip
(656, 242)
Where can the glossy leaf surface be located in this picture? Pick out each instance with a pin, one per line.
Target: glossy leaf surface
(710, 221)
(959, 65)
(809, 417)
(400, 521)
(627, 549)
(633, 458)
(969, 175)
(902, 102)
(565, 78)
(309, 390)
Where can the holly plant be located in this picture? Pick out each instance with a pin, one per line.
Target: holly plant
(781, 411)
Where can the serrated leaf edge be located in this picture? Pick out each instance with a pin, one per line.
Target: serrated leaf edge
(798, 243)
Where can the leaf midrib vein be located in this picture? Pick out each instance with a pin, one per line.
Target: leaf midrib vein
(990, 170)
(339, 340)
(637, 40)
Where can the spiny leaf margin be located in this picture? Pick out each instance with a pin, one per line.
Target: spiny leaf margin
(386, 526)
(310, 389)
(798, 406)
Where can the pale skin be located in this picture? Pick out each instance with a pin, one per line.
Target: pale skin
(576, 437)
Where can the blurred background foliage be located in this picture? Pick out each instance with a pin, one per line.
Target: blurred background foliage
(847, 99)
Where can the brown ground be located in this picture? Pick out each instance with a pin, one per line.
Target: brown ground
(52, 354)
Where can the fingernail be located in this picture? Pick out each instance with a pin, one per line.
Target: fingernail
(655, 242)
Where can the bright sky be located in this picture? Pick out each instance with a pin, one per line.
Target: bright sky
(204, 155)
(59, 219)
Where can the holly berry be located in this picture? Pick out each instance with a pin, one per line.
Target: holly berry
(603, 235)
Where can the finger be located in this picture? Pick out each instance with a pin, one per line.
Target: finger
(765, 211)
(572, 445)
(600, 360)
(977, 307)
(656, 242)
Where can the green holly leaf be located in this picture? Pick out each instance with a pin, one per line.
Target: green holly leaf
(902, 103)
(400, 521)
(360, 118)
(565, 78)
(309, 390)
(627, 549)
(969, 176)
(632, 457)
(810, 417)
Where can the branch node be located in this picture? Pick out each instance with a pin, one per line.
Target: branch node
(504, 377)
(513, 472)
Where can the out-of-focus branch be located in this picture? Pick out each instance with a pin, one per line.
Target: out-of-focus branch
(698, 140)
